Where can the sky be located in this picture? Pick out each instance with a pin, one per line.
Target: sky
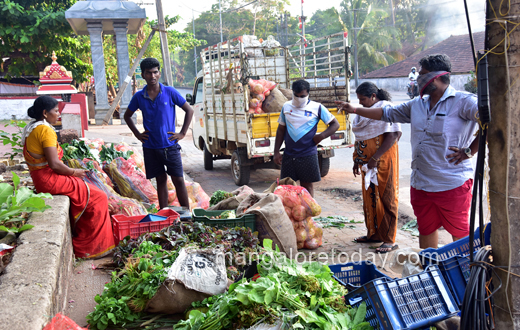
(449, 14)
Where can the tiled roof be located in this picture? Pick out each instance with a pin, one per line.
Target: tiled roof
(458, 48)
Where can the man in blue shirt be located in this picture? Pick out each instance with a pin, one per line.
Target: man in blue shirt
(160, 141)
(443, 122)
(298, 123)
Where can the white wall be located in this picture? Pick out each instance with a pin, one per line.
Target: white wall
(399, 84)
(15, 107)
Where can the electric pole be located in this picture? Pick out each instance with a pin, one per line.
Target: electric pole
(195, 48)
(504, 158)
(356, 67)
(167, 66)
(220, 13)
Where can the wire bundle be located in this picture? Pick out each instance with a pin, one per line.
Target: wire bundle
(477, 306)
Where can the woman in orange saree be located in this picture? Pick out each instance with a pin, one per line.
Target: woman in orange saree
(376, 148)
(92, 235)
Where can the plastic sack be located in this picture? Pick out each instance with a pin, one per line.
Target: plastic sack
(130, 181)
(61, 322)
(202, 270)
(94, 165)
(117, 204)
(261, 86)
(197, 195)
(136, 156)
(301, 207)
(274, 102)
(271, 42)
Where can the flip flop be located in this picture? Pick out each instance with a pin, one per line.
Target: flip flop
(386, 247)
(364, 239)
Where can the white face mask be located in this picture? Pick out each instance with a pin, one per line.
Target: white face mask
(300, 102)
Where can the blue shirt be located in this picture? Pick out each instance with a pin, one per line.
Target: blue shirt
(451, 123)
(302, 124)
(158, 115)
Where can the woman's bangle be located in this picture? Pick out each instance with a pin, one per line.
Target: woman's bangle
(73, 172)
(376, 159)
(355, 110)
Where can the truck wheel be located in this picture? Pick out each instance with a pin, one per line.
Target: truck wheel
(239, 171)
(208, 159)
(324, 166)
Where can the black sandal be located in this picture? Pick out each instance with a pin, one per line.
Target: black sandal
(387, 247)
(364, 239)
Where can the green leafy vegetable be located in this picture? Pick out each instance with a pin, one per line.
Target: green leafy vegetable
(76, 149)
(336, 221)
(219, 196)
(110, 153)
(412, 227)
(229, 214)
(302, 296)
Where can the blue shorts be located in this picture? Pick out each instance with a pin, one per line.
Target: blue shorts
(159, 161)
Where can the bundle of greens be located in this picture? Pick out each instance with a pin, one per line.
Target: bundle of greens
(218, 196)
(76, 149)
(301, 296)
(143, 264)
(110, 153)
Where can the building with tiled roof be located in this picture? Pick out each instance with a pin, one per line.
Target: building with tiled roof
(458, 48)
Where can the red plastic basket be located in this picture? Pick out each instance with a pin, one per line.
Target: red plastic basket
(123, 225)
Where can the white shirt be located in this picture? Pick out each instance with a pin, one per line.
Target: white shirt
(413, 75)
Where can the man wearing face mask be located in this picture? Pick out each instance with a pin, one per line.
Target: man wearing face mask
(297, 127)
(443, 122)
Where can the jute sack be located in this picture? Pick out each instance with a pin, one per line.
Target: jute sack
(195, 275)
(283, 182)
(271, 221)
(274, 102)
(232, 203)
(173, 298)
(288, 93)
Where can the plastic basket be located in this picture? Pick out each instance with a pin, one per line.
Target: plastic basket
(123, 225)
(201, 215)
(453, 261)
(353, 275)
(413, 302)
(457, 248)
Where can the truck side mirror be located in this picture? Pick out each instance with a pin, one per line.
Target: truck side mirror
(189, 98)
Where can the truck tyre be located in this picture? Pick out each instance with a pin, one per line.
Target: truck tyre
(208, 159)
(324, 165)
(239, 171)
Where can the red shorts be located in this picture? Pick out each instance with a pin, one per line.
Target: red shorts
(448, 209)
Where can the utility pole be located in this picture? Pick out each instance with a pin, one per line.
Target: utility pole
(504, 158)
(195, 48)
(356, 67)
(167, 67)
(220, 13)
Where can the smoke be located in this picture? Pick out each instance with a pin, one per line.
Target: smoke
(449, 18)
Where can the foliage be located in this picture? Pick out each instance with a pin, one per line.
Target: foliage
(336, 221)
(143, 263)
(15, 201)
(31, 29)
(412, 227)
(303, 296)
(219, 196)
(176, 41)
(76, 149)
(152, 209)
(108, 154)
(14, 139)
(471, 85)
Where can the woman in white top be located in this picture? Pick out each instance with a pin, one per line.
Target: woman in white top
(376, 150)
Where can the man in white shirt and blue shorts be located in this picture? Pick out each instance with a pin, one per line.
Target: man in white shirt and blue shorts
(298, 124)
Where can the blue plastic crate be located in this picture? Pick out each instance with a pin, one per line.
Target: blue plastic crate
(453, 261)
(413, 302)
(457, 248)
(353, 275)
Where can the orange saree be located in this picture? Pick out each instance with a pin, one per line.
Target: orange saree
(380, 203)
(92, 234)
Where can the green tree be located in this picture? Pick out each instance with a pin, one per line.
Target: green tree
(31, 29)
(177, 41)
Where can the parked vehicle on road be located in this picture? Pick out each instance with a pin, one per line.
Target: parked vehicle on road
(223, 127)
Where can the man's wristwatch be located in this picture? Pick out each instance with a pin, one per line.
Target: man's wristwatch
(468, 153)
